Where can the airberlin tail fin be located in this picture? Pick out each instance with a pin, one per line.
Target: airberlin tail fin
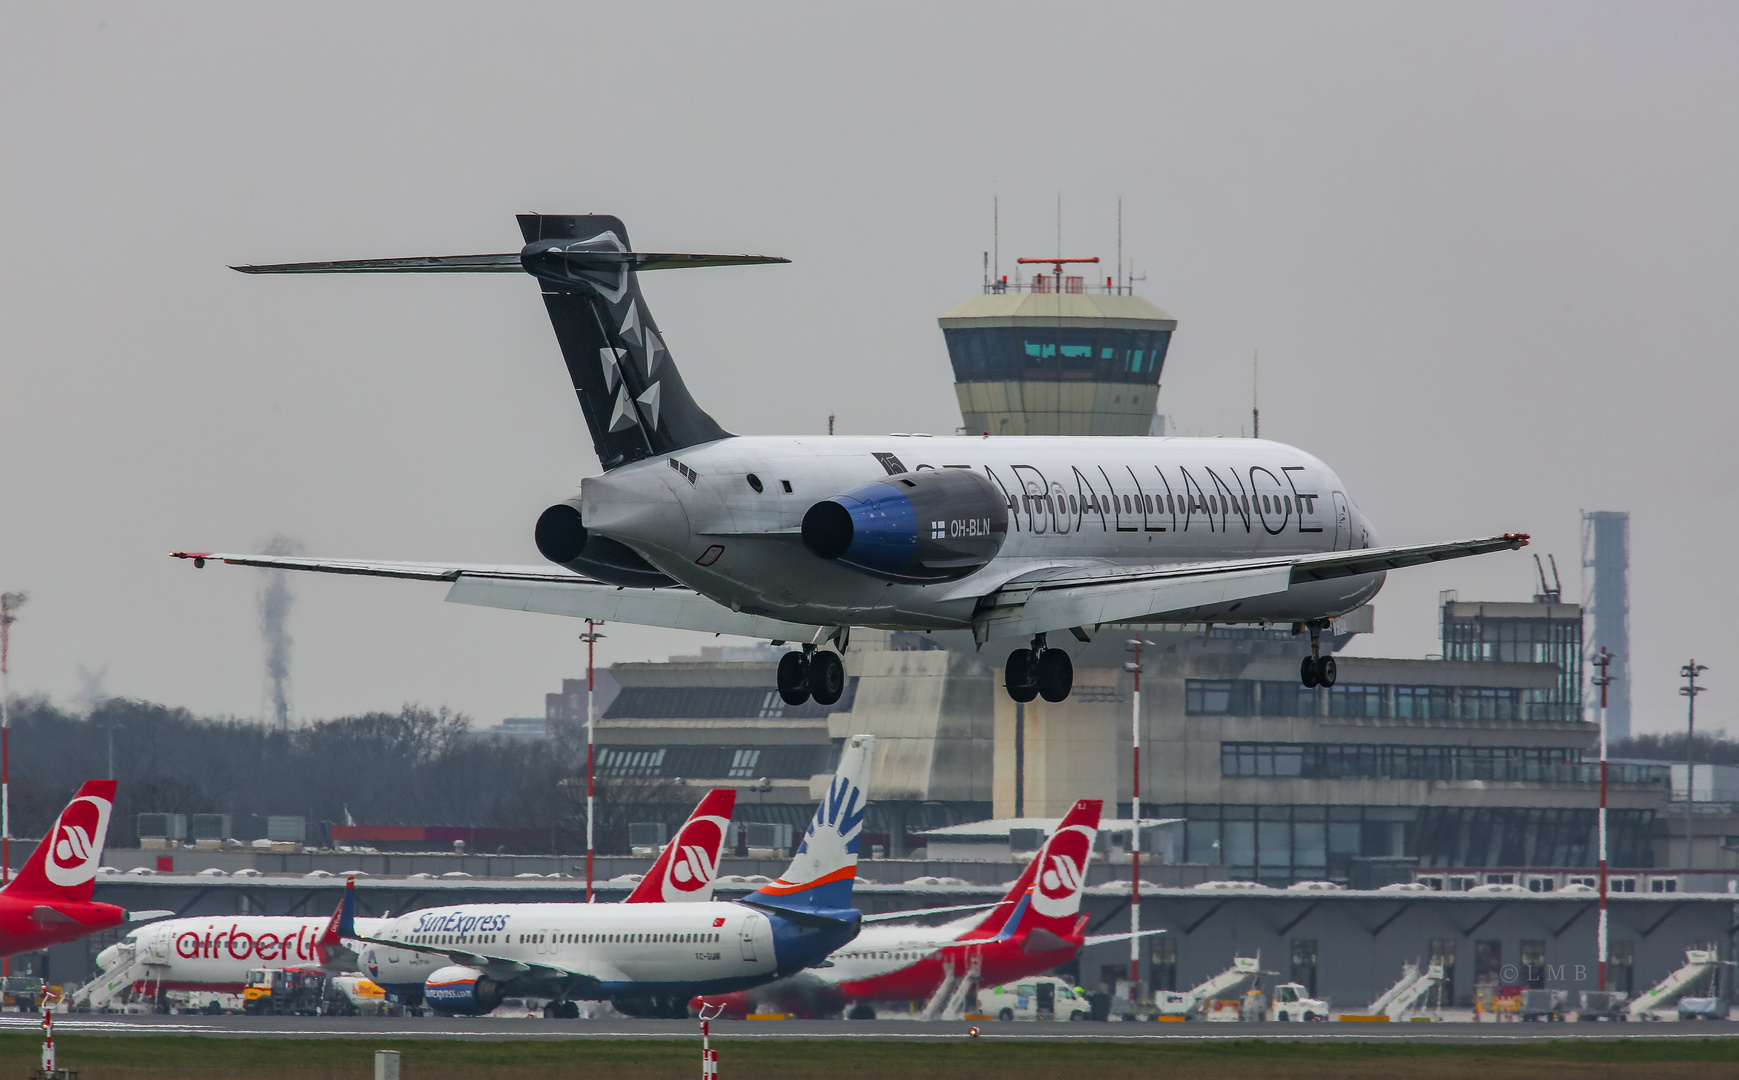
(1047, 894)
(686, 867)
(64, 865)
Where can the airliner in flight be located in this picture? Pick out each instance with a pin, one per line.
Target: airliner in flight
(215, 953)
(1036, 927)
(647, 959)
(997, 541)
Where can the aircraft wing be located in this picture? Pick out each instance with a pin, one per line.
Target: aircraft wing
(1110, 939)
(1050, 600)
(550, 590)
(895, 916)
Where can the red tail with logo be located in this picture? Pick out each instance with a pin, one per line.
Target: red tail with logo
(686, 867)
(64, 865)
(1047, 895)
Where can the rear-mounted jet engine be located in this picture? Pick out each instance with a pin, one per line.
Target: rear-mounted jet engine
(563, 538)
(920, 527)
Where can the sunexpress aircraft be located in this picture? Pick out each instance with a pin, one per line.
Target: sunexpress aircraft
(649, 958)
(796, 539)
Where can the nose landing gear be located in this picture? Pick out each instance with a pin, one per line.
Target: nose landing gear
(811, 674)
(1039, 672)
(1316, 669)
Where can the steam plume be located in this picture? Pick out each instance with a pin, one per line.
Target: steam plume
(275, 602)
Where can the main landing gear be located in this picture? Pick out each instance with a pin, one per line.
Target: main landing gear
(1316, 669)
(811, 674)
(1039, 672)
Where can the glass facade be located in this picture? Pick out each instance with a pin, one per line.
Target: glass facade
(1278, 845)
(1019, 352)
(1241, 697)
(1523, 633)
(1378, 761)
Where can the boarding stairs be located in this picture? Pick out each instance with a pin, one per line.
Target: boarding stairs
(101, 992)
(1243, 970)
(1410, 992)
(956, 988)
(1666, 993)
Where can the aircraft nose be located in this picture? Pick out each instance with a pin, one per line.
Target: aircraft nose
(637, 506)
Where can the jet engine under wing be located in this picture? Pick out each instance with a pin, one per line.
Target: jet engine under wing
(550, 591)
(1048, 600)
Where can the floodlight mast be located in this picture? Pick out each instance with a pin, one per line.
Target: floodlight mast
(1602, 660)
(1689, 691)
(590, 637)
(1135, 826)
(9, 602)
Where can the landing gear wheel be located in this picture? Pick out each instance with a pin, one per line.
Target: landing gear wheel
(1307, 672)
(826, 677)
(1006, 1014)
(1325, 670)
(1056, 675)
(860, 1011)
(1020, 675)
(794, 678)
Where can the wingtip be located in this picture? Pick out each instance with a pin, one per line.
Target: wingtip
(1517, 540)
(198, 557)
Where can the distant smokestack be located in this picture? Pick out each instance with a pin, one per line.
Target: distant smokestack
(274, 603)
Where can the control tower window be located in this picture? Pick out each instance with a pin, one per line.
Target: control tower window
(1102, 355)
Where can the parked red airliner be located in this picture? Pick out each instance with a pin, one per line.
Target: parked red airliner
(1034, 928)
(50, 900)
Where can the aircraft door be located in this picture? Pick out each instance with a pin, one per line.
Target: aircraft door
(747, 934)
(1047, 999)
(1343, 526)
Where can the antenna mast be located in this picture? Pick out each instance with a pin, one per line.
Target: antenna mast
(1255, 400)
(1119, 245)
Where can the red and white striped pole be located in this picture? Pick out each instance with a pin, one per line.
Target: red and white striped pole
(48, 1069)
(590, 637)
(1602, 680)
(709, 1058)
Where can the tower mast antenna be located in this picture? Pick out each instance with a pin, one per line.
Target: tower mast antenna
(1255, 399)
(1119, 245)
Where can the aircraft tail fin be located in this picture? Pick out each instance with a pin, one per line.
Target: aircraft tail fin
(633, 398)
(1047, 895)
(64, 865)
(821, 873)
(686, 867)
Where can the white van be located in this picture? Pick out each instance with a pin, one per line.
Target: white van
(1043, 998)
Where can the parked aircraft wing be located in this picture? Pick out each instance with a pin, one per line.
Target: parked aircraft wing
(1050, 600)
(895, 916)
(1110, 939)
(551, 590)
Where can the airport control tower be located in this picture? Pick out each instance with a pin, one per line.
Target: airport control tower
(1057, 356)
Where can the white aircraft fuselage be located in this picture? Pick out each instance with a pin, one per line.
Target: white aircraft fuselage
(1076, 502)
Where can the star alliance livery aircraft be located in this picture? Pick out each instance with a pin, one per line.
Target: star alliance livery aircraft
(646, 958)
(800, 539)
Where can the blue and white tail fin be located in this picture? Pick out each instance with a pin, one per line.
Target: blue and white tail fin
(821, 873)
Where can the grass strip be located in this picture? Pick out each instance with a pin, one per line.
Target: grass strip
(193, 1057)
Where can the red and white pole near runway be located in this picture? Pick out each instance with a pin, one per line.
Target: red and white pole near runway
(48, 1069)
(590, 637)
(709, 1058)
(1602, 680)
(1135, 829)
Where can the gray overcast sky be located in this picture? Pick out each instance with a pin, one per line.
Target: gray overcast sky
(1488, 253)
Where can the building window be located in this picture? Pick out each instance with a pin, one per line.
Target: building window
(613, 761)
(1356, 700)
(1422, 702)
(743, 764)
(1219, 697)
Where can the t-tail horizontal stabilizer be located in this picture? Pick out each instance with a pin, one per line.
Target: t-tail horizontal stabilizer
(633, 398)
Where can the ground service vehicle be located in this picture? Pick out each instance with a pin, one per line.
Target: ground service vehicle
(1292, 1002)
(1042, 998)
(284, 992)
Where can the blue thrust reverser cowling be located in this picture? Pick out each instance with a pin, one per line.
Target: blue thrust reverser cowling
(930, 525)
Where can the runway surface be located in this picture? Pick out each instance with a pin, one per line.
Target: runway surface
(488, 1028)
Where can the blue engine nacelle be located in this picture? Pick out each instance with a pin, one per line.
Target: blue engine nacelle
(924, 526)
(465, 991)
